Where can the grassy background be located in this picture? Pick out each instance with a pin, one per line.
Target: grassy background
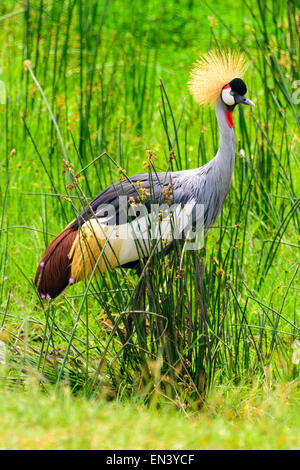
(97, 67)
(233, 418)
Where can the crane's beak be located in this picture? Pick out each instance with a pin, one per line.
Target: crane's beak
(248, 102)
(243, 100)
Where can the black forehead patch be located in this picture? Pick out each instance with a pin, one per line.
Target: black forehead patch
(238, 86)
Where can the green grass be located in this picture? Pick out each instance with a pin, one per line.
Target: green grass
(233, 418)
(110, 79)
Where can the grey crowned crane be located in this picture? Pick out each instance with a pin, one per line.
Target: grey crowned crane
(98, 240)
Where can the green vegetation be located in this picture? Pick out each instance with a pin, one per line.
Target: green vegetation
(90, 87)
(233, 418)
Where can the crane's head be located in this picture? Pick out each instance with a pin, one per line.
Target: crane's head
(216, 76)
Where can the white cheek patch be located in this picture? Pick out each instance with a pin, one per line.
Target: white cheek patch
(227, 96)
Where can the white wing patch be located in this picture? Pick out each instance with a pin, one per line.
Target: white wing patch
(120, 244)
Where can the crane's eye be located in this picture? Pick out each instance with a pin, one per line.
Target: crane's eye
(227, 96)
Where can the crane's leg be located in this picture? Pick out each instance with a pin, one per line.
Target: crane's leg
(137, 296)
(138, 271)
(136, 305)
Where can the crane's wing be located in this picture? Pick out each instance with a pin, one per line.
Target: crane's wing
(72, 255)
(125, 212)
(140, 190)
(198, 187)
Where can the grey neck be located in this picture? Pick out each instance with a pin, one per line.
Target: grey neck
(226, 136)
(226, 152)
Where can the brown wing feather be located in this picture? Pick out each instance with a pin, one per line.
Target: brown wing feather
(54, 271)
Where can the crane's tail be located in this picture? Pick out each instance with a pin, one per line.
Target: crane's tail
(72, 255)
(54, 271)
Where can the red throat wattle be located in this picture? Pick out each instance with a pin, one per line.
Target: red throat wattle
(229, 118)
